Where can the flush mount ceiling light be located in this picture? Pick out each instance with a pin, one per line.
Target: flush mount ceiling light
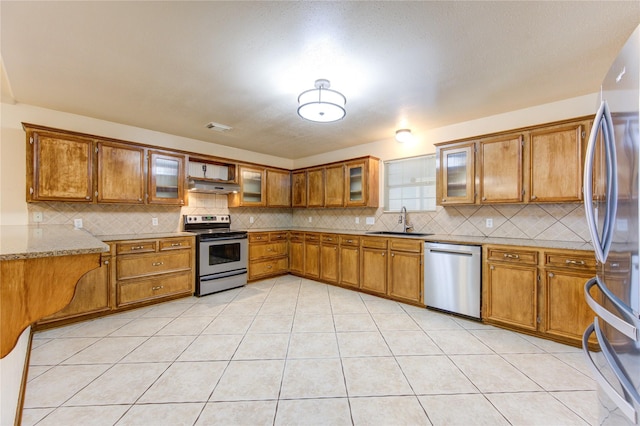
(322, 104)
(404, 135)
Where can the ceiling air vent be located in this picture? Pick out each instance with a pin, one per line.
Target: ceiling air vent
(218, 127)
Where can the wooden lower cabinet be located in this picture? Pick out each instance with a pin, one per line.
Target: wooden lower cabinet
(374, 269)
(268, 254)
(312, 255)
(405, 270)
(134, 273)
(349, 260)
(540, 292)
(91, 296)
(296, 253)
(329, 259)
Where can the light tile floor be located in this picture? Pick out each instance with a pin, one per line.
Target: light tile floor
(290, 351)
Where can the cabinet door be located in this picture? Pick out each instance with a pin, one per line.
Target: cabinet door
(299, 189)
(556, 164)
(278, 188)
(350, 266)
(511, 295)
(405, 272)
(120, 173)
(457, 174)
(356, 184)
(315, 195)
(252, 184)
(500, 169)
(329, 258)
(374, 270)
(567, 314)
(91, 295)
(334, 186)
(166, 178)
(59, 167)
(312, 259)
(296, 257)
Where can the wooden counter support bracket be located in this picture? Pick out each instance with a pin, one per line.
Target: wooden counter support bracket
(31, 289)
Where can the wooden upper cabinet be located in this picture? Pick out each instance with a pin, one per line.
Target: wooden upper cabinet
(456, 171)
(252, 187)
(334, 186)
(361, 183)
(121, 177)
(278, 188)
(315, 186)
(166, 178)
(59, 167)
(299, 189)
(556, 156)
(500, 169)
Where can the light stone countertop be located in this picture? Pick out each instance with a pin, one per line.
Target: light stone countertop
(32, 241)
(152, 236)
(451, 239)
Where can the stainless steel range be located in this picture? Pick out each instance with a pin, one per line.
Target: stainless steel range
(221, 254)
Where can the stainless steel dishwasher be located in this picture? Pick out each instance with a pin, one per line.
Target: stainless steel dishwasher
(452, 278)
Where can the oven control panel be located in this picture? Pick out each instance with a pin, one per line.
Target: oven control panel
(203, 219)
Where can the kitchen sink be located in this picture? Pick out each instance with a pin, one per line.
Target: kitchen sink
(403, 234)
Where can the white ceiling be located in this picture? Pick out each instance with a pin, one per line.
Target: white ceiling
(175, 66)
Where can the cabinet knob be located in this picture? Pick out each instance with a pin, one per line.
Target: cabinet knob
(492, 267)
(87, 198)
(383, 253)
(533, 197)
(106, 262)
(484, 198)
(139, 199)
(444, 200)
(551, 275)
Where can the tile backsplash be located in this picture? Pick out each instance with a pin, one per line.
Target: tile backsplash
(556, 222)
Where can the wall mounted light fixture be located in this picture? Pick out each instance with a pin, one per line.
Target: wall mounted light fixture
(322, 104)
(404, 135)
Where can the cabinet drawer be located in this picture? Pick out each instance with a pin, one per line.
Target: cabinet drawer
(258, 237)
(349, 240)
(515, 256)
(175, 244)
(268, 267)
(136, 247)
(374, 243)
(314, 238)
(567, 260)
(257, 251)
(140, 290)
(137, 266)
(330, 239)
(277, 236)
(406, 245)
(296, 236)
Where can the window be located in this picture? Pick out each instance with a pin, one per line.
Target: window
(410, 182)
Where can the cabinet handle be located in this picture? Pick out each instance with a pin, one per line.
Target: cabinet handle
(269, 267)
(158, 287)
(492, 267)
(335, 248)
(533, 197)
(444, 200)
(106, 262)
(87, 198)
(269, 249)
(511, 256)
(575, 262)
(137, 247)
(551, 275)
(140, 199)
(157, 263)
(176, 244)
(258, 238)
(615, 265)
(383, 254)
(484, 198)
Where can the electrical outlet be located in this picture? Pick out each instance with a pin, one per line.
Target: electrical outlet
(357, 220)
(310, 219)
(371, 220)
(37, 217)
(251, 219)
(77, 223)
(154, 221)
(489, 223)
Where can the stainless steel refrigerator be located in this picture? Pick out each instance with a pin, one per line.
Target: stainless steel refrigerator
(611, 184)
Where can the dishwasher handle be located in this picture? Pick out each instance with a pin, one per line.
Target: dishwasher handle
(451, 248)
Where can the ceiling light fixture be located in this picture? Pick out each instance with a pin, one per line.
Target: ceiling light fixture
(322, 104)
(404, 135)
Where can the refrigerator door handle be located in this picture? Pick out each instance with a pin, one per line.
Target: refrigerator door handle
(627, 408)
(629, 330)
(602, 120)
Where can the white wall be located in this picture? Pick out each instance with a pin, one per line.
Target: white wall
(11, 370)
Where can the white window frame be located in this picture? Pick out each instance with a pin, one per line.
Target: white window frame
(417, 195)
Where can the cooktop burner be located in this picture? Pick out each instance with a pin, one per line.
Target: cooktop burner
(211, 226)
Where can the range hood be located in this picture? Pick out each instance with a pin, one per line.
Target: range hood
(212, 187)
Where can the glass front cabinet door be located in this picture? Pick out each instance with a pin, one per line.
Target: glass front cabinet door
(252, 184)
(166, 178)
(457, 174)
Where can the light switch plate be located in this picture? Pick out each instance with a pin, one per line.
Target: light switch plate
(154, 221)
(489, 223)
(371, 220)
(357, 220)
(251, 219)
(310, 219)
(77, 223)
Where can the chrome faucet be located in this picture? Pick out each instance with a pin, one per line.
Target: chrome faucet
(403, 220)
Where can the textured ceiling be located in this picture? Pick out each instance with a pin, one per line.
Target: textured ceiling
(175, 66)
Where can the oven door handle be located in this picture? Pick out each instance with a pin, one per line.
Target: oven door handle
(231, 237)
(223, 275)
